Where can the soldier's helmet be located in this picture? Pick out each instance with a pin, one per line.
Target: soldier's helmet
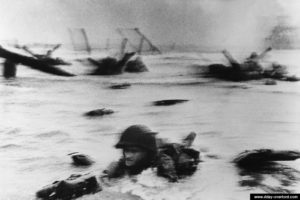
(138, 136)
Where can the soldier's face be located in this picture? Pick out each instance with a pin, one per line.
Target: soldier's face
(133, 156)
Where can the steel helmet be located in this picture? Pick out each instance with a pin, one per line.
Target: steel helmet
(140, 136)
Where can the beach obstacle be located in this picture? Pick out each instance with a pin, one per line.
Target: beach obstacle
(13, 59)
(138, 41)
(9, 69)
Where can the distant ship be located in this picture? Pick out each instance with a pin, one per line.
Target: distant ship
(282, 36)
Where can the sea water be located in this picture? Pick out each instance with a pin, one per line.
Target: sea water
(42, 121)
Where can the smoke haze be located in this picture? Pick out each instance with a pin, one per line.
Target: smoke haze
(208, 23)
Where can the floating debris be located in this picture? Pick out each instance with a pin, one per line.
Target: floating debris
(261, 156)
(75, 186)
(169, 102)
(213, 156)
(81, 160)
(120, 86)
(236, 86)
(99, 112)
(257, 168)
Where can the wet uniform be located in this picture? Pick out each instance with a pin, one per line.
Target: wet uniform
(172, 162)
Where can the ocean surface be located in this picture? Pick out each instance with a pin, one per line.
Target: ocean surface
(42, 121)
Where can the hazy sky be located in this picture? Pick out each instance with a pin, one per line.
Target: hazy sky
(203, 22)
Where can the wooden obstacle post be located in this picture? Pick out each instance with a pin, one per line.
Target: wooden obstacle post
(153, 47)
(84, 36)
(172, 48)
(88, 46)
(72, 39)
(123, 36)
(9, 69)
(107, 46)
(144, 39)
(141, 46)
(123, 47)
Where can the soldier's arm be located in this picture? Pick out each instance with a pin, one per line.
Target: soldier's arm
(166, 167)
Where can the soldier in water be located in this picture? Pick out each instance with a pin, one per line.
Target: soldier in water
(140, 152)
